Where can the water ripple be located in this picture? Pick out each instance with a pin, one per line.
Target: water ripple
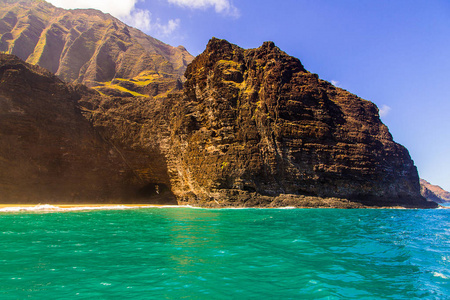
(221, 254)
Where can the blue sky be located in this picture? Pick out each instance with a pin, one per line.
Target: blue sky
(395, 53)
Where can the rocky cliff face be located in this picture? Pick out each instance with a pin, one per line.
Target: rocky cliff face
(89, 47)
(250, 128)
(433, 192)
(49, 152)
(254, 123)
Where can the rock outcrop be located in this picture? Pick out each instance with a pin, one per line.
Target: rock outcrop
(255, 122)
(433, 192)
(50, 153)
(250, 128)
(90, 47)
(254, 128)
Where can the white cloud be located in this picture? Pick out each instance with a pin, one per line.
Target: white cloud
(384, 110)
(138, 18)
(335, 83)
(117, 8)
(142, 19)
(220, 6)
(126, 11)
(171, 26)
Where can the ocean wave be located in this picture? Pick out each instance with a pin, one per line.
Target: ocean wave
(440, 275)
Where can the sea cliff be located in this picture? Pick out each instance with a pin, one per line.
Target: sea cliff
(141, 121)
(253, 127)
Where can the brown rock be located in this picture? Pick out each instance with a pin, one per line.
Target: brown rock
(251, 128)
(50, 153)
(256, 121)
(433, 192)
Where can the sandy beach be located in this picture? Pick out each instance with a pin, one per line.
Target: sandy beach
(80, 205)
(71, 207)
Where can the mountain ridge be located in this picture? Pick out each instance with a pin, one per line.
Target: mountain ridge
(87, 46)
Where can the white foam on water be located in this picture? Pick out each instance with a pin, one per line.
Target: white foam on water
(174, 206)
(260, 208)
(235, 208)
(45, 207)
(437, 274)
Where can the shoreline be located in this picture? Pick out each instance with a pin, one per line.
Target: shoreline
(79, 207)
(11, 208)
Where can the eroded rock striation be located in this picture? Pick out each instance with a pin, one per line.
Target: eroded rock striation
(254, 123)
(254, 128)
(249, 128)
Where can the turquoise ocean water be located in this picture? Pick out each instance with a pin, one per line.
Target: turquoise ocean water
(187, 253)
